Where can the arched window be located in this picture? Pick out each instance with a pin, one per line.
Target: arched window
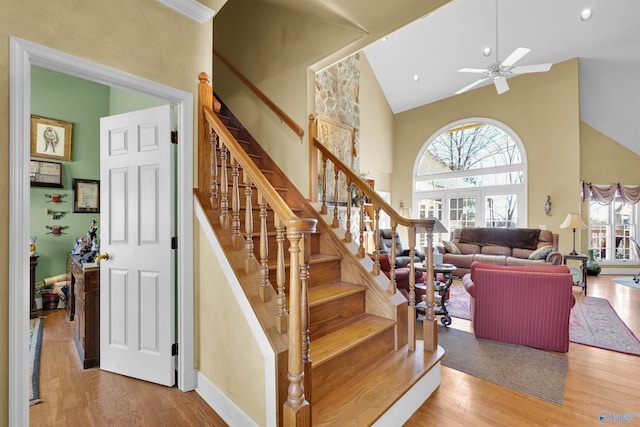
(472, 173)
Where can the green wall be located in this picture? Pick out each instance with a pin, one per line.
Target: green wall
(68, 98)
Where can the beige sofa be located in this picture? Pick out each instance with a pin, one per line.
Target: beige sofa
(501, 246)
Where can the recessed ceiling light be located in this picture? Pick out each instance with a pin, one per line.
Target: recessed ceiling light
(585, 15)
(416, 78)
(384, 39)
(486, 51)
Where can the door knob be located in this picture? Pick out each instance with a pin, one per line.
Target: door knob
(102, 257)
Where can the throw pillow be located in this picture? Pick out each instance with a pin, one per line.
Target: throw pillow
(385, 265)
(541, 253)
(451, 247)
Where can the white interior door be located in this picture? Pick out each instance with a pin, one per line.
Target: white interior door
(137, 281)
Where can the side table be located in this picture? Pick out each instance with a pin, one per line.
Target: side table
(440, 288)
(583, 258)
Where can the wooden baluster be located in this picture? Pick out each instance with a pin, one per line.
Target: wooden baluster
(282, 318)
(323, 209)
(213, 197)
(296, 411)
(248, 222)
(336, 198)
(305, 313)
(264, 291)
(376, 264)
(392, 260)
(235, 205)
(412, 290)
(361, 249)
(347, 233)
(429, 325)
(224, 188)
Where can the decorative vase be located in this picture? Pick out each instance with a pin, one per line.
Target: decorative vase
(593, 268)
(32, 245)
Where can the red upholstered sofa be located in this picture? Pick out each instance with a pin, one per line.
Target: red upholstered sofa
(525, 305)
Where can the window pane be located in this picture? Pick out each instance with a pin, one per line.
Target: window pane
(430, 208)
(504, 178)
(600, 225)
(462, 212)
(501, 211)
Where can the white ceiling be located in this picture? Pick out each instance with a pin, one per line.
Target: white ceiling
(436, 46)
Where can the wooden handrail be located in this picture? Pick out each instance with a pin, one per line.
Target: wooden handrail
(281, 114)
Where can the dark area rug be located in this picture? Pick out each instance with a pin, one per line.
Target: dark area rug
(593, 322)
(537, 373)
(35, 344)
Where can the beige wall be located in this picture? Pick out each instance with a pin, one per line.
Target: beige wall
(542, 109)
(143, 38)
(376, 129)
(227, 352)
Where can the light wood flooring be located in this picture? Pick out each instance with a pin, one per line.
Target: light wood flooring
(597, 381)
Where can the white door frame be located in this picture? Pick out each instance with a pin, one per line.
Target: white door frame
(23, 54)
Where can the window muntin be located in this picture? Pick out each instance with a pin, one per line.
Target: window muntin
(610, 227)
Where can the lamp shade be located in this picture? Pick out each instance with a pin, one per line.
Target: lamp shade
(573, 221)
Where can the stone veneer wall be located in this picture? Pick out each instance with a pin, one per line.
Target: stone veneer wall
(338, 96)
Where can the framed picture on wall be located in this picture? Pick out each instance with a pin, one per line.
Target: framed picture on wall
(51, 138)
(86, 196)
(45, 174)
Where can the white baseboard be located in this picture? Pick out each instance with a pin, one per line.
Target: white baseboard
(220, 402)
(409, 403)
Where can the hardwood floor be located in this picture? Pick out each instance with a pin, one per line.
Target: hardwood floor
(73, 396)
(597, 381)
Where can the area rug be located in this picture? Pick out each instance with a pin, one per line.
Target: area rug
(627, 281)
(593, 322)
(35, 344)
(537, 373)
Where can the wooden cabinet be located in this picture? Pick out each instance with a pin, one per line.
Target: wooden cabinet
(33, 309)
(85, 289)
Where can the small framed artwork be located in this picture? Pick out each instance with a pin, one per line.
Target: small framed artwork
(86, 196)
(45, 174)
(51, 138)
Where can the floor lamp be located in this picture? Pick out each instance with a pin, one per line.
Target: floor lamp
(573, 221)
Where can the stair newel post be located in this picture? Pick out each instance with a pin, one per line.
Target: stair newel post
(361, 250)
(323, 209)
(213, 197)
(248, 222)
(235, 204)
(224, 188)
(336, 197)
(297, 410)
(264, 291)
(205, 99)
(305, 313)
(282, 317)
(412, 289)
(347, 233)
(429, 325)
(376, 233)
(392, 258)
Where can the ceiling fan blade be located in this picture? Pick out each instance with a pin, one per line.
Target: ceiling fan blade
(473, 70)
(538, 68)
(501, 84)
(471, 86)
(515, 56)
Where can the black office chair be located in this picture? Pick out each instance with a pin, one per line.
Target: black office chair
(636, 250)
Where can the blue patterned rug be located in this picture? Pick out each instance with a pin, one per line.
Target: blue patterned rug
(627, 281)
(35, 343)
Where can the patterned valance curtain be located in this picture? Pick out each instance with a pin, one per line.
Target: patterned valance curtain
(604, 194)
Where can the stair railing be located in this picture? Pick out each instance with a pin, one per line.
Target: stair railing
(216, 141)
(269, 103)
(413, 226)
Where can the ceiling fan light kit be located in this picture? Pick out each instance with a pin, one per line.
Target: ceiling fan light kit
(499, 71)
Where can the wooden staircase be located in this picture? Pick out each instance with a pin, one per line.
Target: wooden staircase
(360, 363)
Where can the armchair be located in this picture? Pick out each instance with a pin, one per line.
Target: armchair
(402, 254)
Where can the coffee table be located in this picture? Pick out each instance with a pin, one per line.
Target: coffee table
(441, 290)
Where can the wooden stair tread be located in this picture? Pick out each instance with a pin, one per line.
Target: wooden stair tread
(332, 291)
(358, 330)
(371, 392)
(313, 259)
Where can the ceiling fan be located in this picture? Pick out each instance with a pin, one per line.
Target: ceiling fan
(499, 71)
